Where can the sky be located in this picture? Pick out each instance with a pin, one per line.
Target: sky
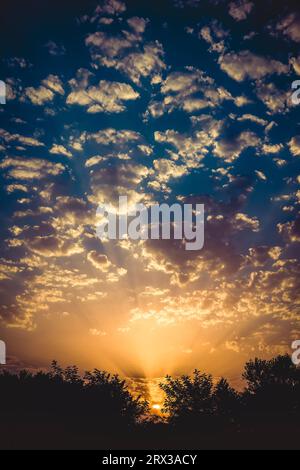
(163, 101)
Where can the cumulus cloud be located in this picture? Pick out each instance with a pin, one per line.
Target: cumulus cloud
(54, 83)
(28, 169)
(261, 255)
(103, 45)
(272, 148)
(7, 137)
(45, 92)
(39, 95)
(106, 97)
(113, 136)
(60, 150)
(126, 53)
(290, 26)
(240, 9)
(180, 89)
(137, 24)
(253, 118)
(111, 7)
(246, 65)
(294, 145)
(295, 61)
(276, 100)
(73, 210)
(214, 35)
(167, 169)
(191, 91)
(99, 261)
(290, 230)
(138, 65)
(243, 221)
(231, 147)
(118, 179)
(191, 149)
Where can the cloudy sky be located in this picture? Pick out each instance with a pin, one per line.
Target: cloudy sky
(174, 100)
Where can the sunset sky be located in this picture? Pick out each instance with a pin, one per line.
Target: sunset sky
(162, 101)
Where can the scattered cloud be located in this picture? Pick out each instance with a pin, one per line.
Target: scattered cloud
(294, 145)
(246, 65)
(107, 97)
(289, 26)
(240, 9)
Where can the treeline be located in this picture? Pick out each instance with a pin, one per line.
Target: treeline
(61, 409)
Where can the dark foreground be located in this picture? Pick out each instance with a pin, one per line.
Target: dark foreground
(61, 410)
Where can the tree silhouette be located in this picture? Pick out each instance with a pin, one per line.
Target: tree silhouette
(273, 387)
(188, 396)
(62, 409)
(227, 402)
(97, 402)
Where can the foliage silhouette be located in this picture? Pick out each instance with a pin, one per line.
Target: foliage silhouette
(61, 409)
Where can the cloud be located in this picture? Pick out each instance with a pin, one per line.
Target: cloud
(243, 221)
(16, 187)
(232, 146)
(45, 92)
(54, 83)
(137, 24)
(99, 261)
(121, 179)
(191, 149)
(106, 97)
(28, 169)
(294, 145)
(167, 169)
(53, 246)
(111, 7)
(240, 9)
(179, 88)
(290, 230)
(95, 332)
(125, 52)
(261, 175)
(18, 62)
(102, 45)
(60, 150)
(276, 100)
(290, 26)
(55, 49)
(24, 140)
(253, 118)
(214, 35)
(261, 255)
(269, 148)
(113, 136)
(138, 65)
(191, 91)
(74, 211)
(39, 95)
(246, 65)
(295, 61)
